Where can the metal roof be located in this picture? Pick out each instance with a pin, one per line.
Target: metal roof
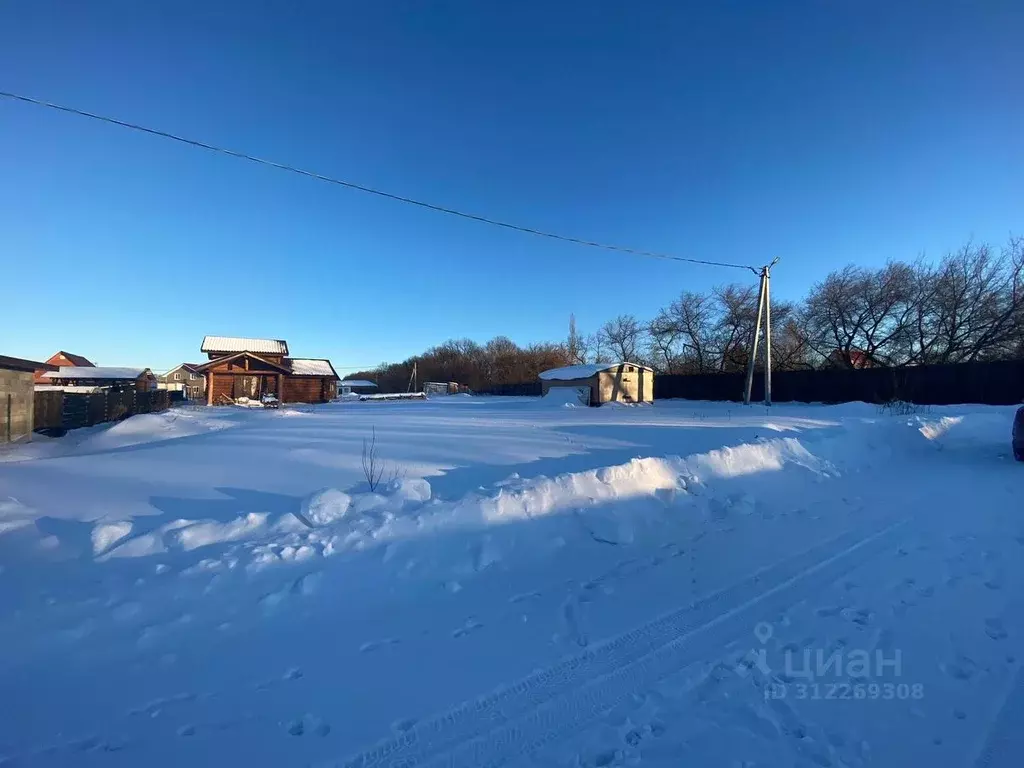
(309, 367)
(90, 372)
(571, 372)
(76, 359)
(358, 383)
(20, 364)
(228, 344)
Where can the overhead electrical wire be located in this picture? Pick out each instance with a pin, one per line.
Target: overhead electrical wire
(363, 188)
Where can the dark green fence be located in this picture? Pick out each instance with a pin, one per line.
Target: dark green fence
(993, 383)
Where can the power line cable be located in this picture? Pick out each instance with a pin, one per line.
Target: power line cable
(362, 188)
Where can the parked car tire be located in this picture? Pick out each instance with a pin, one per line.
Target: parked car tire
(1018, 435)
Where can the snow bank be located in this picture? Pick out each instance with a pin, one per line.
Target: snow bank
(566, 397)
(324, 507)
(105, 535)
(153, 427)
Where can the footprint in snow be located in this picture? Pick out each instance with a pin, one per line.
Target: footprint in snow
(994, 628)
(374, 645)
(994, 582)
(961, 668)
(403, 725)
(523, 597)
(471, 625)
(308, 725)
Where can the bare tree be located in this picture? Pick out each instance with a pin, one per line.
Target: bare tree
(971, 305)
(623, 337)
(857, 316)
(663, 343)
(595, 342)
(682, 334)
(373, 467)
(734, 327)
(575, 345)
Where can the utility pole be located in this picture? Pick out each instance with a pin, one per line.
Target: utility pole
(764, 308)
(412, 378)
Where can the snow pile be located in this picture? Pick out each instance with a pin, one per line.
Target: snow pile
(152, 427)
(986, 432)
(750, 458)
(567, 397)
(324, 507)
(105, 535)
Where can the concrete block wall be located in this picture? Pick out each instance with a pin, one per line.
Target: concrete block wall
(16, 387)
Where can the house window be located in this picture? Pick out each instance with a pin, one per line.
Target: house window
(629, 369)
(177, 377)
(193, 376)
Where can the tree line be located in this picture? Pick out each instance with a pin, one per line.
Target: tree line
(967, 307)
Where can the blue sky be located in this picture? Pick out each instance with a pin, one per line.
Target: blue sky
(821, 132)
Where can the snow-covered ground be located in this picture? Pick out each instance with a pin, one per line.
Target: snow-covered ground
(677, 584)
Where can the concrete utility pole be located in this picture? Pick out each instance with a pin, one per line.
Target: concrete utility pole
(764, 307)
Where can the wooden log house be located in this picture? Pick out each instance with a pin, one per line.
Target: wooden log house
(255, 368)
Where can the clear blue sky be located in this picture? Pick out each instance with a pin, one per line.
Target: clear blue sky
(822, 132)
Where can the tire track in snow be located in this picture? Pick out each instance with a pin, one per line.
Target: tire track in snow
(539, 708)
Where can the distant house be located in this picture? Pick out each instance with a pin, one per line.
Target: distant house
(356, 387)
(185, 378)
(258, 368)
(857, 359)
(603, 382)
(63, 358)
(17, 397)
(79, 378)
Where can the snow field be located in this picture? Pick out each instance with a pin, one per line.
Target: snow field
(535, 586)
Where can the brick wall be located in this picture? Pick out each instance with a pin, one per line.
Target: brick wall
(16, 388)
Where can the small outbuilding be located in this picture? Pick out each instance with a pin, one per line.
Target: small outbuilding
(104, 377)
(601, 383)
(17, 397)
(357, 387)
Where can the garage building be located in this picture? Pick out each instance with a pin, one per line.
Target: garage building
(600, 383)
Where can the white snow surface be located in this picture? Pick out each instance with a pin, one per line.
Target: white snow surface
(90, 372)
(688, 583)
(310, 367)
(567, 397)
(229, 344)
(582, 371)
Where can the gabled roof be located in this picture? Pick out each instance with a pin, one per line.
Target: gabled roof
(310, 367)
(358, 383)
(93, 372)
(76, 360)
(584, 371)
(230, 344)
(20, 364)
(228, 358)
(190, 367)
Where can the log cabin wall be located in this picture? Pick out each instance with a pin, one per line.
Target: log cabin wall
(222, 385)
(303, 389)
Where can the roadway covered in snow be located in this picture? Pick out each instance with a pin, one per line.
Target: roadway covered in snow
(688, 583)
